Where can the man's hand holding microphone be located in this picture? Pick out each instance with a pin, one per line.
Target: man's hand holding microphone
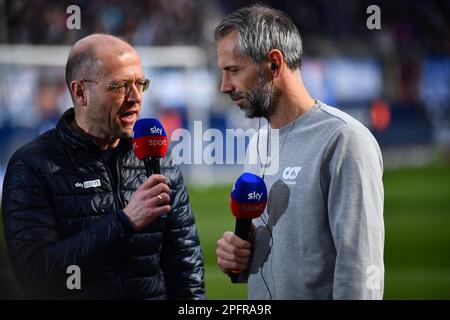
(248, 201)
(151, 200)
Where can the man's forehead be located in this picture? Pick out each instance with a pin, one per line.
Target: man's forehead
(227, 50)
(118, 56)
(125, 62)
(229, 40)
(99, 44)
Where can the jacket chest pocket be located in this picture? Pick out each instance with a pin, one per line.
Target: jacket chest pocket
(75, 196)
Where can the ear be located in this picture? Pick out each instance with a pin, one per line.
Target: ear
(276, 62)
(78, 93)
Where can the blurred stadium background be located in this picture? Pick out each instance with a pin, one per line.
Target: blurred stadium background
(395, 80)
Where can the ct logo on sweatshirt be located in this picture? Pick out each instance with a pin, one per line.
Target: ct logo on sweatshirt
(290, 173)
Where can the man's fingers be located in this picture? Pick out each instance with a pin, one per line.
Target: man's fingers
(234, 240)
(159, 211)
(223, 254)
(227, 265)
(226, 246)
(153, 180)
(155, 190)
(233, 253)
(160, 199)
(160, 188)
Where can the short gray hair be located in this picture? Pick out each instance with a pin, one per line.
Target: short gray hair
(261, 29)
(80, 64)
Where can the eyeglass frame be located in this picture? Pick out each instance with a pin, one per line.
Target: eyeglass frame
(114, 85)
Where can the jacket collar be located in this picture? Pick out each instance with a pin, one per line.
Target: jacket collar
(78, 140)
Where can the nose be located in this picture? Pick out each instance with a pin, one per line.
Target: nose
(226, 85)
(134, 95)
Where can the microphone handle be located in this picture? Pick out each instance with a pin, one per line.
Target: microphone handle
(156, 167)
(242, 230)
(152, 166)
(148, 167)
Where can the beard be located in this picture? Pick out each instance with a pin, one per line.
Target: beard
(260, 101)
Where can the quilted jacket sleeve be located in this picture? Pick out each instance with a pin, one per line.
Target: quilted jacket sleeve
(39, 256)
(182, 258)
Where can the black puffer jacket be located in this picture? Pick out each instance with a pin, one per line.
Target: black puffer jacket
(60, 209)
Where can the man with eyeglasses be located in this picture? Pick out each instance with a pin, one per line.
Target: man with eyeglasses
(81, 218)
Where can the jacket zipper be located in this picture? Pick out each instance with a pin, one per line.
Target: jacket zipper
(117, 204)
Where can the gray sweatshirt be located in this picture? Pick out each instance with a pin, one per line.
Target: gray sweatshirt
(322, 233)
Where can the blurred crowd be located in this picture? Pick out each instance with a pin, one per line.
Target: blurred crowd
(410, 29)
(148, 22)
(412, 48)
(412, 25)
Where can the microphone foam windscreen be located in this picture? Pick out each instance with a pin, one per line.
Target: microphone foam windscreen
(149, 139)
(248, 196)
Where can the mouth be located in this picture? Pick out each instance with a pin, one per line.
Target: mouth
(129, 117)
(237, 98)
(240, 102)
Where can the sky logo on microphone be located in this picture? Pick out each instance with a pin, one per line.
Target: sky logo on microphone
(157, 131)
(248, 196)
(148, 127)
(255, 196)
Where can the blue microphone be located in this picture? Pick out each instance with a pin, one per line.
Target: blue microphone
(247, 201)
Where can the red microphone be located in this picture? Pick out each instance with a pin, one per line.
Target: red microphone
(150, 144)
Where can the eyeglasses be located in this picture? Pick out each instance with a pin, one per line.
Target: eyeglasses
(123, 88)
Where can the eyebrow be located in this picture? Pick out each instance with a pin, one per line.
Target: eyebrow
(127, 80)
(234, 66)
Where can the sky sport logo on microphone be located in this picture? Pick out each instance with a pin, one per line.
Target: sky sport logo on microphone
(149, 139)
(255, 206)
(157, 142)
(248, 196)
(259, 207)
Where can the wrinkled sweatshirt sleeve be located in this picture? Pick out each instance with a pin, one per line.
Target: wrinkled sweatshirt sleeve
(351, 177)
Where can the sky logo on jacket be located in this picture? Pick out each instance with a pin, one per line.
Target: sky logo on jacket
(88, 184)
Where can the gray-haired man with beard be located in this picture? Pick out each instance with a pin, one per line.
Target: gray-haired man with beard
(322, 234)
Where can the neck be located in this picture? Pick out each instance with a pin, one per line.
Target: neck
(103, 143)
(294, 101)
(106, 144)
